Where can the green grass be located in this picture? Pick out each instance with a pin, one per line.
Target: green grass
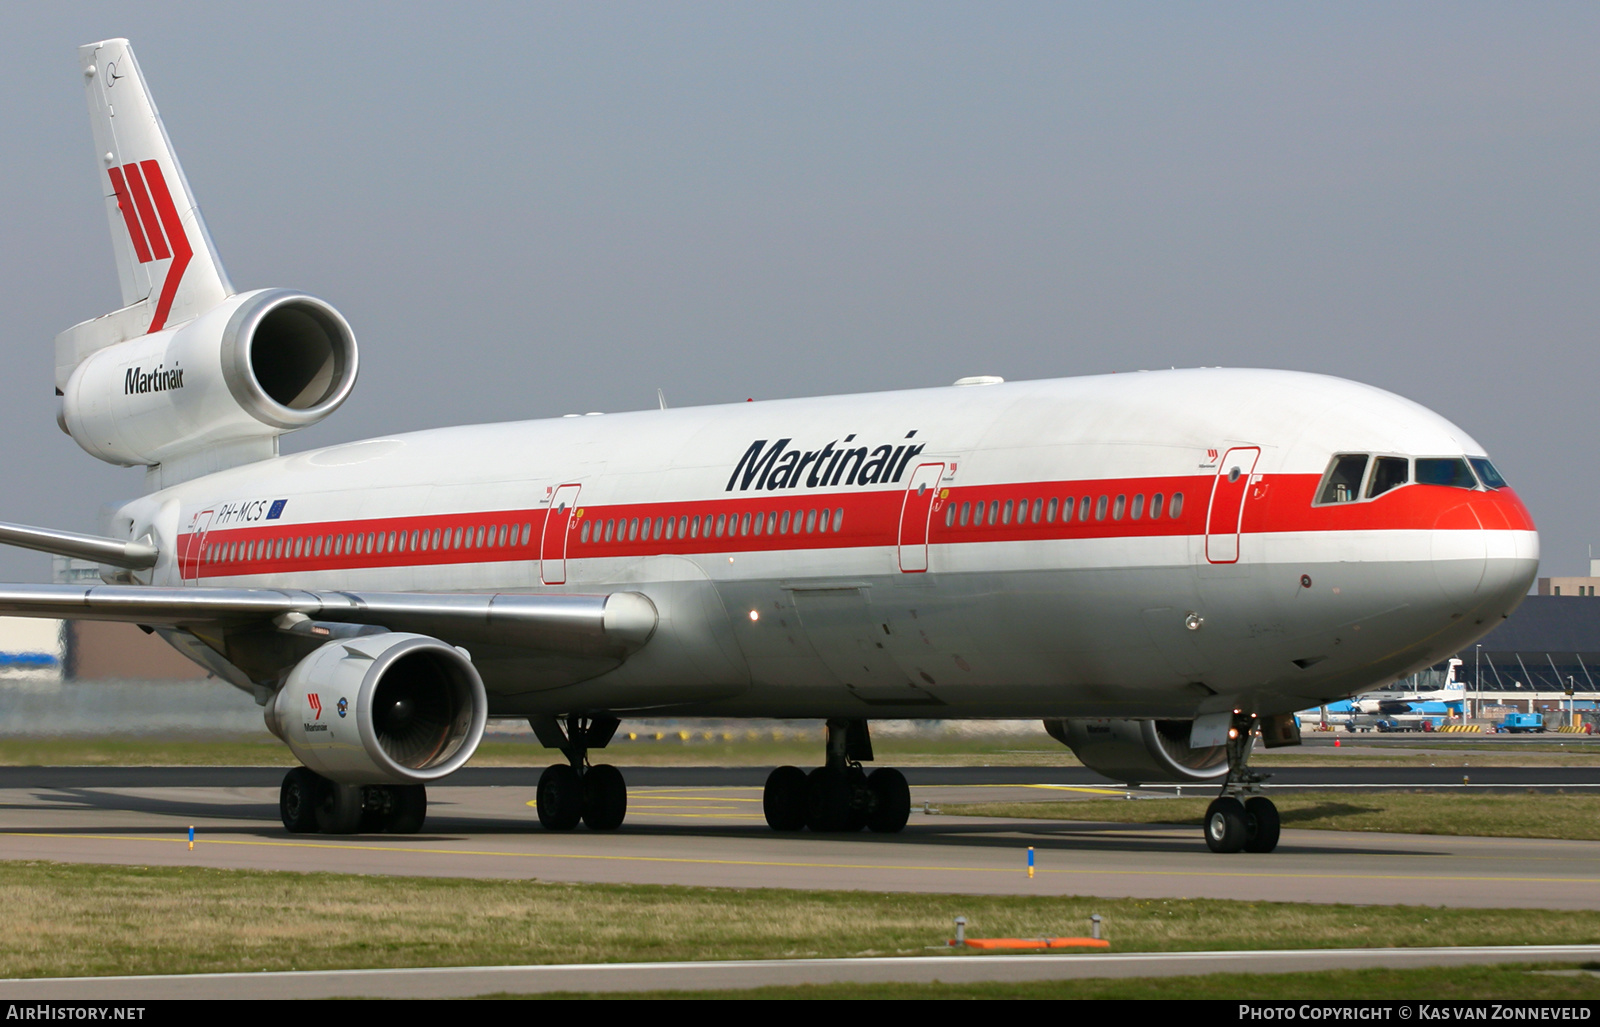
(1431, 984)
(77, 919)
(1499, 815)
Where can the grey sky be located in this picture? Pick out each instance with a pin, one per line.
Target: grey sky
(526, 210)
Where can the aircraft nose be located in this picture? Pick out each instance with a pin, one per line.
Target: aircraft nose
(1485, 551)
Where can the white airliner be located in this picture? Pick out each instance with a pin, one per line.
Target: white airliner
(1158, 565)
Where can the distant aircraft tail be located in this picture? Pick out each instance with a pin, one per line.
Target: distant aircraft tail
(166, 263)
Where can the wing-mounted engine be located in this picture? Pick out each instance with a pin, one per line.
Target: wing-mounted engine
(390, 708)
(220, 388)
(1138, 751)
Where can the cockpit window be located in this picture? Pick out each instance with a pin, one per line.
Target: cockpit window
(1388, 472)
(1343, 481)
(1452, 471)
(1486, 472)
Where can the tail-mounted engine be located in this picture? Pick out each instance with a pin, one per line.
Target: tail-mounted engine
(1138, 751)
(391, 708)
(232, 380)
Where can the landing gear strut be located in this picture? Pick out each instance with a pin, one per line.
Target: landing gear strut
(1241, 818)
(309, 802)
(575, 791)
(839, 796)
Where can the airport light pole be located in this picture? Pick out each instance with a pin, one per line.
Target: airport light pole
(1477, 682)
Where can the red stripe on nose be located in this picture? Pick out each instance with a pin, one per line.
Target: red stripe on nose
(119, 185)
(147, 213)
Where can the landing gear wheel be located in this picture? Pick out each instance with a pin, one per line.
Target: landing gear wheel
(560, 798)
(827, 799)
(339, 812)
(605, 798)
(784, 799)
(376, 802)
(298, 800)
(858, 799)
(891, 801)
(1226, 825)
(1261, 817)
(409, 809)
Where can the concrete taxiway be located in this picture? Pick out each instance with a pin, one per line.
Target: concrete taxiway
(707, 829)
(465, 981)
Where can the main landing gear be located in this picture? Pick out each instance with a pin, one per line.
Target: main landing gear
(839, 796)
(1241, 818)
(575, 791)
(309, 802)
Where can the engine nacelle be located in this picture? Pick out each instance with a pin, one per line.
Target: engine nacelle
(391, 708)
(255, 366)
(1137, 751)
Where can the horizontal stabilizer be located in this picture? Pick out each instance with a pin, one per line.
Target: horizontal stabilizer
(580, 625)
(134, 556)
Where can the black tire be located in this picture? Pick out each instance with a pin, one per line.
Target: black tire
(298, 799)
(891, 801)
(339, 812)
(560, 798)
(784, 799)
(1225, 825)
(859, 799)
(409, 810)
(1262, 824)
(376, 804)
(827, 799)
(605, 798)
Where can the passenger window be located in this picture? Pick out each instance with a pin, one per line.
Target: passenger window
(994, 512)
(1445, 471)
(1038, 510)
(1487, 473)
(1100, 509)
(772, 523)
(660, 527)
(784, 522)
(1050, 511)
(1388, 472)
(950, 516)
(583, 535)
(1342, 483)
(966, 513)
(811, 521)
(838, 519)
(1138, 507)
(1119, 507)
(1175, 510)
(1084, 508)
(1155, 506)
(744, 525)
(1005, 513)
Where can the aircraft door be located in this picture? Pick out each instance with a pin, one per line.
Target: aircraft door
(916, 512)
(1226, 512)
(558, 524)
(195, 550)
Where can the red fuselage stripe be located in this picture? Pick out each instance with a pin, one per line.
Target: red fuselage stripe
(1277, 503)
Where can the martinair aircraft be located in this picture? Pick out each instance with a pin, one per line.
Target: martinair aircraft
(1160, 566)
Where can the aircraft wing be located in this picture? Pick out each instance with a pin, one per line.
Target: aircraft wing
(611, 626)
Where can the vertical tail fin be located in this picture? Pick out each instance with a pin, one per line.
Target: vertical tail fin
(166, 262)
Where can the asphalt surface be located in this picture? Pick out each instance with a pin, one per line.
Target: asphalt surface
(688, 827)
(1286, 778)
(466, 981)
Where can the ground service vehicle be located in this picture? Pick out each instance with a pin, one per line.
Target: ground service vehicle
(1157, 565)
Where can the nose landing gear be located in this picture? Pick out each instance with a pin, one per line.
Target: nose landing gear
(1241, 818)
(840, 795)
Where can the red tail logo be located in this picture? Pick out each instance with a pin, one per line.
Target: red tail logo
(154, 226)
(316, 704)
